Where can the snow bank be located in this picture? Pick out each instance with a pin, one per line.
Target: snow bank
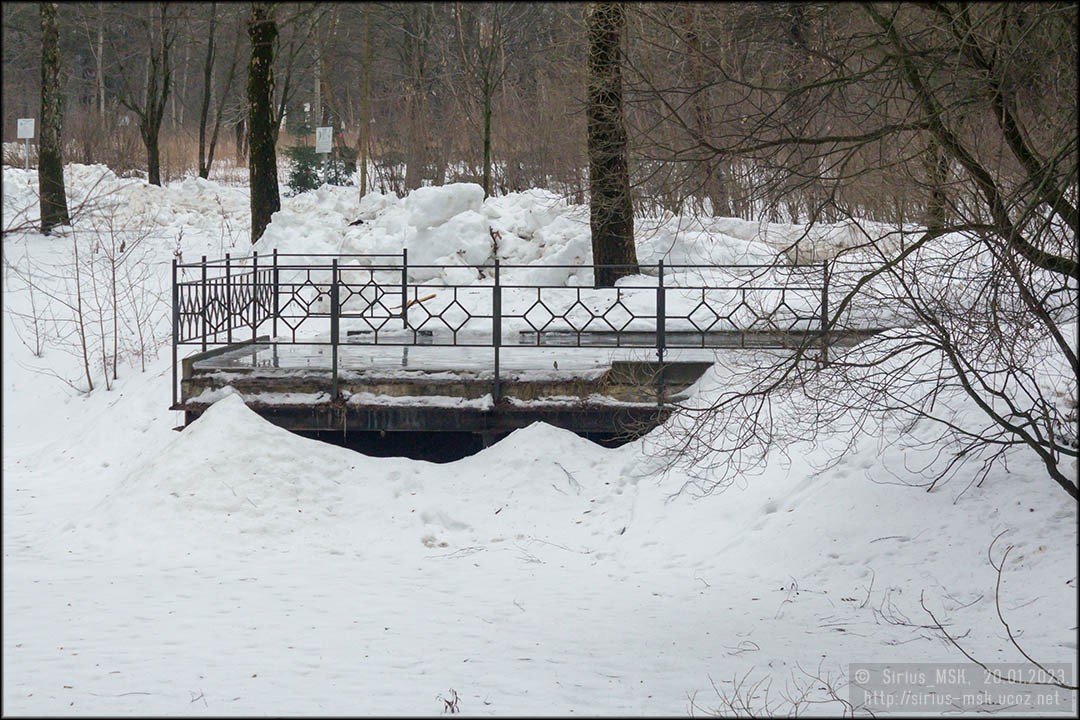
(255, 571)
(98, 200)
(235, 476)
(453, 225)
(240, 479)
(429, 207)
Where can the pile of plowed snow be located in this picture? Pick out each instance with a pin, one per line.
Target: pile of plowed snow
(98, 199)
(445, 225)
(454, 225)
(242, 481)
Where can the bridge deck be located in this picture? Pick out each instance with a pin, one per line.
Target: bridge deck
(434, 387)
(442, 388)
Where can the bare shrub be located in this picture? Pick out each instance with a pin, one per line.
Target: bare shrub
(450, 703)
(801, 693)
(979, 268)
(102, 304)
(1044, 676)
(179, 154)
(15, 154)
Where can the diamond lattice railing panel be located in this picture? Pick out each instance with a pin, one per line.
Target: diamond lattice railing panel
(618, 317)
(786, 318)
(371, 293)
(376, 322)
(293, 313)
(216, 316)
(428, 315)
(578, 316)
(189, 311)
(211, 306)
(308, 293)
(350, 300)
(538, 316)
(455, 316)
(264, 298)
(703, 317)
(240, 299)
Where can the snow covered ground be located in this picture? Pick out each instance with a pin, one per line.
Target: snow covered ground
(236, 568)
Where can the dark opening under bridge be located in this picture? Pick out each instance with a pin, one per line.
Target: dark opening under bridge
(371, 343)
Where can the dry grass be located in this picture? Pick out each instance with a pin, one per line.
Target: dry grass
(90, 139)
(15, 154)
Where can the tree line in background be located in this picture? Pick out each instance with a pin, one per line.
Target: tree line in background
(496, 93)
(434, 88)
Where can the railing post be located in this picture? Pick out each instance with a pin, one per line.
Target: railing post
(661, 339)
(175, 328)
(742, 333)
(405, 288)
(228, 299)
(496, 331)
(254, 294)
(274, 327)
(202, 287)
(825, 312)
(334, 326)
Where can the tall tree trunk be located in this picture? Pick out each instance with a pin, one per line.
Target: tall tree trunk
(801, 188)
(158, 83)
(611, 214)
(262, 157)
(937, 165)
(416, 142)
(99, 95)
(317, 116)
(204, 111)
(488, 92)
(712, 181)
(50, 147)
(240, 132)
(178, 112)
(150, 137)
(365, 117)
(219, 112)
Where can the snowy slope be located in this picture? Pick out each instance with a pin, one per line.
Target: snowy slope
(235, 568)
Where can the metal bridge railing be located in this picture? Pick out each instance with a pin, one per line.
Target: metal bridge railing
(221, 302)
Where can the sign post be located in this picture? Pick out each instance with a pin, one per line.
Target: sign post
(324, 137)
(25, 127)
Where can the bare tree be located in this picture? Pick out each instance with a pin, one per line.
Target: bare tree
(713, 179)
(295, 31)
(365, 102)
(483, 32)
(412, 25)
(50, 152)
(160, 28)
(966, 115)
(611, 212)
(21, 32)
(206, 153)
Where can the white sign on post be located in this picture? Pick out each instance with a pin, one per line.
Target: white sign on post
(26, 128)
(324, 137)
(25, 131)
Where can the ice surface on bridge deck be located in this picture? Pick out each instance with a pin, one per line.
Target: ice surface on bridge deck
(358, 357)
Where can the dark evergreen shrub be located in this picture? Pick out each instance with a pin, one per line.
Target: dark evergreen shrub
(306, 168)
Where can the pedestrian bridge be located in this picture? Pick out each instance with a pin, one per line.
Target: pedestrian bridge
(369, 343)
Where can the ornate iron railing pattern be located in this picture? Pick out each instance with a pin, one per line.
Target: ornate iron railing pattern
(229, 300)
